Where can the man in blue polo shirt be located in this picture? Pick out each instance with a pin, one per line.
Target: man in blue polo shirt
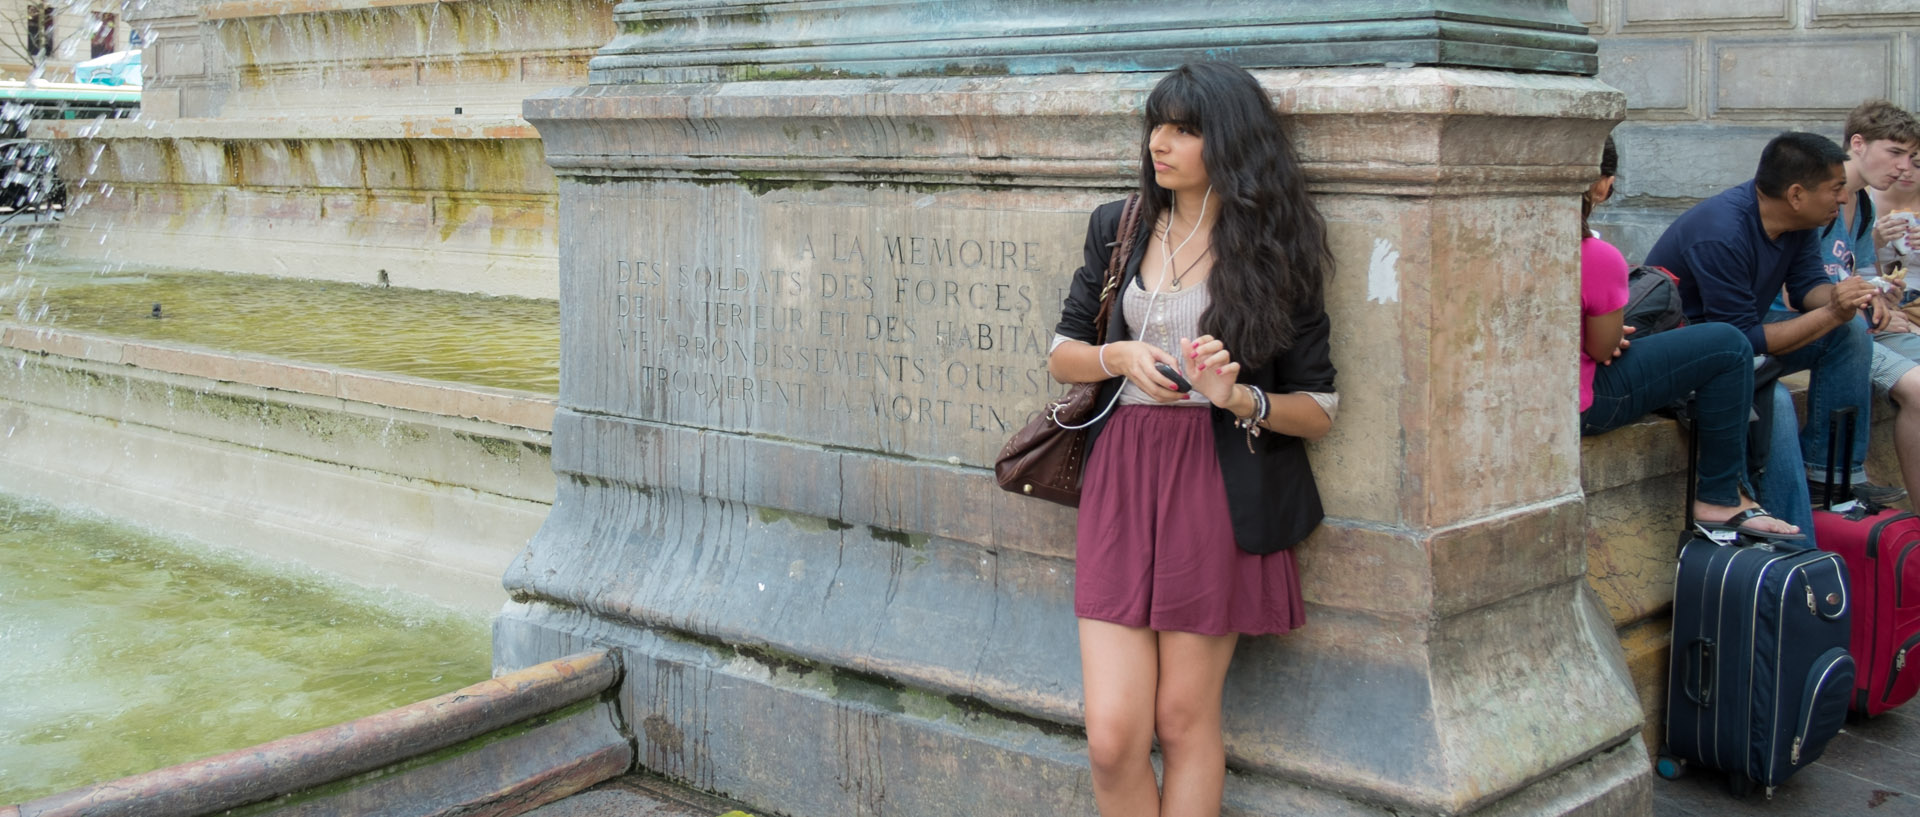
(1733, 252)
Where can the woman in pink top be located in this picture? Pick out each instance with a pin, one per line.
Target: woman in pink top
(1621, 380)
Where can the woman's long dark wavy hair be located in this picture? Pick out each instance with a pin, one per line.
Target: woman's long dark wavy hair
(1270, 241)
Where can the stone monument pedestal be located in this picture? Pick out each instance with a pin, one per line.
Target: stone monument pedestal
(801, 317)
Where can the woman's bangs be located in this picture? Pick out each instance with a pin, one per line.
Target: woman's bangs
(1175, 101)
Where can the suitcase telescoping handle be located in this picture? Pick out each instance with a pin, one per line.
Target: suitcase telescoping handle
(1697, 680)
(1849, 414)
(1693, 465)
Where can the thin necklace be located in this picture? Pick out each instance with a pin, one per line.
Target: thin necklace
(1175, 285)
(1168, 254)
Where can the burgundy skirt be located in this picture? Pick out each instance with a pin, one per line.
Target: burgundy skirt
(1155, 546)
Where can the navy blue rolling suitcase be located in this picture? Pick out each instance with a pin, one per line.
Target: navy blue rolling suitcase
(1760, 676)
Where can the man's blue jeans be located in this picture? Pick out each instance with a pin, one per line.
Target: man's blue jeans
(1838, 363)
(1783, 484)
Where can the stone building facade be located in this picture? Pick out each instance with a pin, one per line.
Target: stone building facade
(1708, 82)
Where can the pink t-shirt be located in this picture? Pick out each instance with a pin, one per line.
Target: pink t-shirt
(1603, 289)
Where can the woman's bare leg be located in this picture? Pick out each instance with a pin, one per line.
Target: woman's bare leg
(1906, 431)
(1120, 668)
(1193, 671)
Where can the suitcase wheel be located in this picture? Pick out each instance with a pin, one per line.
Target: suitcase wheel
(1670, 767)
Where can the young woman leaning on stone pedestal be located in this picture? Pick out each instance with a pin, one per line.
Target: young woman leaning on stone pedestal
(1192, 499)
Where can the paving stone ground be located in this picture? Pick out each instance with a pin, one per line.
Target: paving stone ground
(639, 795)
(1871, 770)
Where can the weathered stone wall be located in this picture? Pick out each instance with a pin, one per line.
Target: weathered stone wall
(186, 72)
(318, 59)
(345, 140)
(449, 203)
(1708, 82)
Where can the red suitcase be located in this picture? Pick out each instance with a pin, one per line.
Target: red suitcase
(1881, 547)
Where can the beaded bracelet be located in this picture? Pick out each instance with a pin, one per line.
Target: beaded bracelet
(1252, 421)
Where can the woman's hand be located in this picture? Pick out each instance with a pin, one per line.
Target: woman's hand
(1885, 310)
(1212, 370)
(1898, 323)
(1625, 344)
(1894, 226)
(1134, 360)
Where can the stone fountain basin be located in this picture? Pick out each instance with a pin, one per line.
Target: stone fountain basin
(502, 747)
(389, 481)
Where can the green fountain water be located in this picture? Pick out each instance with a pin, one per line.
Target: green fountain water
(511, 343)
(121, 651)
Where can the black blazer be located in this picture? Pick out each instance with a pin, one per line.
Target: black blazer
(1270, 490)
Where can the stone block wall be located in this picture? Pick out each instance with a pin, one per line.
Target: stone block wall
(1708, 82)
(318, 59)
(345, 140)
(186, 73)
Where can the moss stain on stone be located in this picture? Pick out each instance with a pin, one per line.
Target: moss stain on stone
(233, 158)
(918, 131)
(770, 73)
(877, 691)
(905, 539)
(958, 69)
(494, 447)
(810, 524)
(777, 660)
(976, 709)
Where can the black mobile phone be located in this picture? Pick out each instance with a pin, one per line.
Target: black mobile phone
(1180, 384)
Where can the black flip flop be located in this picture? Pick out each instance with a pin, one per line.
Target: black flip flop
(1724, 532)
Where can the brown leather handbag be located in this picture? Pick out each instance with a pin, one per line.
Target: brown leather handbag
(1045, 457)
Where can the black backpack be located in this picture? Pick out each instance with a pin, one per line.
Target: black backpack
(1653, 302)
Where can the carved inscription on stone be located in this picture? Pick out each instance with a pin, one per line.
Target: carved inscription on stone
(913, 335)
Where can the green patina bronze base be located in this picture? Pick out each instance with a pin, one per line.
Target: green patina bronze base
(663, 42)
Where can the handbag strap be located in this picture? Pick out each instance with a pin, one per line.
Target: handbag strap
(1117, 265)
(1116, 269)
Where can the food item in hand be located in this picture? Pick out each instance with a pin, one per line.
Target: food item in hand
(1902, 244)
